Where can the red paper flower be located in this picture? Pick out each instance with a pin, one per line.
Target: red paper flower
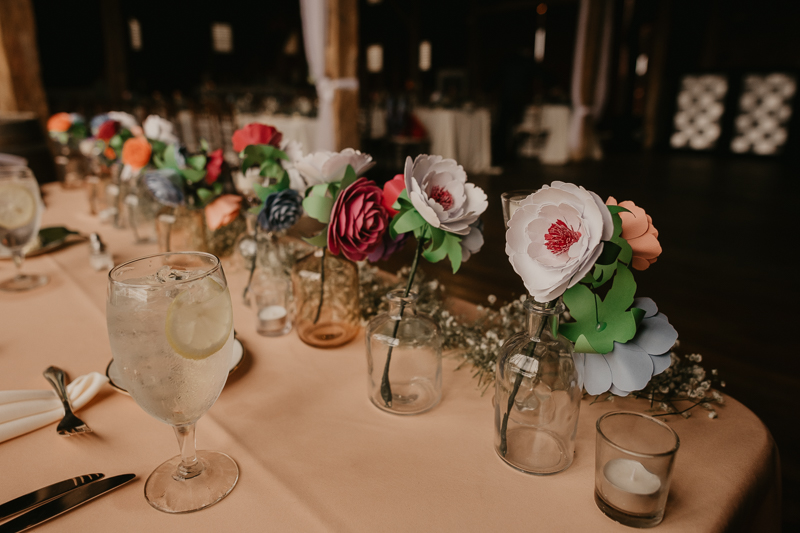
(391, 190)
(107, 130)
(214, 166)
(59, 122)
(256, 134)
(136, 152)
(358, 220)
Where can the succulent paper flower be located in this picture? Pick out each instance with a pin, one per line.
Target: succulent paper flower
(256, 134)
(325, 167)
(136, 152)
(108, 129)
(638, 230)
(555, 236)
(165, 186)
(391, 191)
(159, 129)
(222, 211)
(281, 210)
(60, 122)
(473, 241)
(439, 191)
(358, 220)
(214, 166)
(631, 365)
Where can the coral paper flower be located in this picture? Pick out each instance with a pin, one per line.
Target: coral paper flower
(214, 166)
(256, 134)
(391, 190)
(136, 152)
(554, 238)
(325, 167)
(223, 211)
(638, 230)
(358, 220)
(439, 191)
(59, 122)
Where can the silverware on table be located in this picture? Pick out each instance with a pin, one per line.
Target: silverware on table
(70, 424)
(45, 494)
(64, 503)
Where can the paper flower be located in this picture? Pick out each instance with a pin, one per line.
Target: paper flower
(256, 134)
(326, 167)
(554, 238)
(97, 121)
(108, 129)
(136, 152)
(60, 122)
(294, 151)
(214, 166)
(391, 191)
(165, 185)
(281, 210)
(126, 120)
(388, 247)
(630, 366)
(223, 211)
(159, 129)
(439, 191)
(244, 181)
(473, 241)
(358, 220)
(638, 230)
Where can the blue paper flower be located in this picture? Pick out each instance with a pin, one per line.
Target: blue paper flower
(630, 366)
(281, 210)
(97, 121)
(164, 184)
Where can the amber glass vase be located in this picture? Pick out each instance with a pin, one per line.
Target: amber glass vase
(326, 299)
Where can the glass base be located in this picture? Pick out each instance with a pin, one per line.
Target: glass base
(408, 398)
(535, 451)
(627, 519)
(24, 282)
(170, 495)
(327, 334)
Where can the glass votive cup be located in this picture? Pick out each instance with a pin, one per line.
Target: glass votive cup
(270, 296)
(634, 457)
(511, 201)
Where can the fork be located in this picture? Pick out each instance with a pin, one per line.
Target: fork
(70, 424)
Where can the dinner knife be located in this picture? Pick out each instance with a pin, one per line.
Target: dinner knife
(32, 499)
(64, 503)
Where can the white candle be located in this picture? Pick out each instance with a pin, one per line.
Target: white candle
(272, 319)
(630, 487)
(272, 312)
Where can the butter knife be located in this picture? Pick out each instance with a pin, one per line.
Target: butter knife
(32, 499)
(64, 503)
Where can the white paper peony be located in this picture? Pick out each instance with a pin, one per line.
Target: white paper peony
(294, 151)
(325, 167)
(555, 236)
(126, 120)
(472, 242)
(439, 191)
(159, 129)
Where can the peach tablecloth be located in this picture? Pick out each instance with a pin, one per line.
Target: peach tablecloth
(314, 454)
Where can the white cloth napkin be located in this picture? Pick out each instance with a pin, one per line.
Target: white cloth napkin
(22, 411)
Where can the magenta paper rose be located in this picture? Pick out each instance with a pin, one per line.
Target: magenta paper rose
(555, 237)
(439, 191)
(358, 220)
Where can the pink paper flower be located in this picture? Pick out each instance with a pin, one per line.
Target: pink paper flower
(214, 166)
(391, 190)
(223, 211)
(358, 220)
(638, 230)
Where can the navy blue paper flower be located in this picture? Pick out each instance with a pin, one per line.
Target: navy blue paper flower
(164, 184)
(281, 210)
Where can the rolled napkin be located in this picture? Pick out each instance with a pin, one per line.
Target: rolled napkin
(22, 411)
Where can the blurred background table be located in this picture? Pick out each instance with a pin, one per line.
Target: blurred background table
(460, 134)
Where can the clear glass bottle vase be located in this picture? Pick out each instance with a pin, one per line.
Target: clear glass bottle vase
(410, 382)
(537, 395)
(327, 308)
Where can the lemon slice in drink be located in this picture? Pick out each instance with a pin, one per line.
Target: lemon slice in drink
(17, 206)
(199, 320)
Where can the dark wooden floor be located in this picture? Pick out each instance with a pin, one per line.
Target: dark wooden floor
(726, 277)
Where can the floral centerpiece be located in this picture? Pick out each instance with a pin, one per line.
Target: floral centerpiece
(67, 129)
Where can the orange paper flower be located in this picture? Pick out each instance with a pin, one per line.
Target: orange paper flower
(638, 230)
(59, 122)
(110, 153)
(136, 152)
(223, 211)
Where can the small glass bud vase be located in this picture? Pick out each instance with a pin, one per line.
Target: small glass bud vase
(71, 166)
(537, 395)
(413, 344)
(182, 230)
(327, 308)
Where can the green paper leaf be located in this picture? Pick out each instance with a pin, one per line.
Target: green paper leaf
(406, 221)
(349, 177)
(609, 254)
(204, 195)
(319, 207)
(169, 157)
(453, 246)
(319, 240)
(626, 252)
(116, 142)
(261, 191)
(217, 187)
(438, 237)
(204, 145)
(402, 202)
(192, 175)
(602, 273)
(197, 162)
(616, 209)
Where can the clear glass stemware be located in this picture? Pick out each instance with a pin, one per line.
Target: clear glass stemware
(20, 218)
(170, 325)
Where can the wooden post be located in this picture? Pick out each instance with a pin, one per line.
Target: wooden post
(341, 61)
(20, 78)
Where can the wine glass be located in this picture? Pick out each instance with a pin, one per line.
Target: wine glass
(20, 218)
(170, 325)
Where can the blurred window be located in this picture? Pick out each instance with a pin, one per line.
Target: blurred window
(222, 37)
(136, 34)
(375, 58)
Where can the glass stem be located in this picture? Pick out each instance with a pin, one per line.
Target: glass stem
(190, 466)
(252, 267)
(321, 284)
(386, 388)
(19, 258)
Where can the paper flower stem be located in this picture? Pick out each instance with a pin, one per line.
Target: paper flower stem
(386, 388)
(252, 267)
(504, 426)
(321, 285)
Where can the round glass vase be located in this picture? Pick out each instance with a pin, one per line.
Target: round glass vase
(325, 288)
(143, 210)
(404, 358)
(537, 395)
(71, 166)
